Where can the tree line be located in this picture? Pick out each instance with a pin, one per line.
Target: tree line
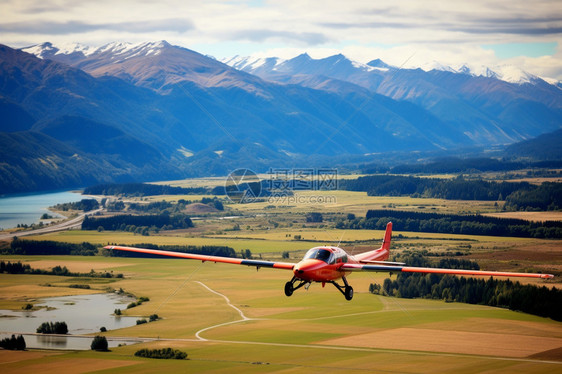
(85, 204)
(19, 268)
(452, 189)
(460, 165)
(547, 196)
(14, 343)
(540, 301)
(142, 189)
(453, 224)
(210, 250)
(52, 328)
(48, 247)
(125, 222)
(163, 353)
(518, 195)
(469, 165)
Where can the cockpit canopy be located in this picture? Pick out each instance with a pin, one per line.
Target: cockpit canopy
(322, 254)
(330, 255)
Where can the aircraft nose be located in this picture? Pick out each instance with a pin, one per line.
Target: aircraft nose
(307, 266)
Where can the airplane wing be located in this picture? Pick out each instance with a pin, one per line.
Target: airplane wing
(192, 256)
(413, 269)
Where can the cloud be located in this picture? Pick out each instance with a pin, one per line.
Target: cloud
(263, 35)
(76, 27)
(432, 29)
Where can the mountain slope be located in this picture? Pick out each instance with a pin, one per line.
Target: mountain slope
(486, 109)
(543, 147)
(155, 65)
(156, 111)
(192, 83)
(179, 126)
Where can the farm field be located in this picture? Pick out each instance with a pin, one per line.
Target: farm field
(234, 318)
(313, 331)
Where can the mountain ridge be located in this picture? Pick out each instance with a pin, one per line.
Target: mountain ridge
(135, 110)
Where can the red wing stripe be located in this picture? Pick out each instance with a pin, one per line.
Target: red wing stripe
(193, 256)
(411, 269)
(406, 269)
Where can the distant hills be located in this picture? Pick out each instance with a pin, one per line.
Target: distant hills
(123, 112)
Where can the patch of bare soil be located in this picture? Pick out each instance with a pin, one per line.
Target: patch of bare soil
(529, 216)
(462, 342)
(77, 365)
(200, 208)
(552, 354)
(7, 356)
(541, 256)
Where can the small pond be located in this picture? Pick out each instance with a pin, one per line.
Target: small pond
(83, 314)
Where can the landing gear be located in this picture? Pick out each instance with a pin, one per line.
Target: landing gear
(346, 290)
(348, 293)
(290, 286)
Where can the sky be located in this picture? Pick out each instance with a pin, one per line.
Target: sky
(407, 33)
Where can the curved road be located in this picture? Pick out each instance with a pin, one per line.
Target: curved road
(73, 223)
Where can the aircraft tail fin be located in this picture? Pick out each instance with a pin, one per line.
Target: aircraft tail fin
(387, 237)
(380, 254)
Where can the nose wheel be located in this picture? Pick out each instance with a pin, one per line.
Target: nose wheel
(290, 286)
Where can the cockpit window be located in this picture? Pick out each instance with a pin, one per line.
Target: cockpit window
(319, 254)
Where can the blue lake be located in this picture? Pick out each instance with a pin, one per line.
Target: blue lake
(28, 208)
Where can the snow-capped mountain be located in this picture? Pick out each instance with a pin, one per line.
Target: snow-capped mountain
(506, 73)
(475, 98)
(138, 107)
(68, 53)
(156, 65)
(117, 50)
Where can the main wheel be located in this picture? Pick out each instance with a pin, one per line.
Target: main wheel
(289, 288)
(348, 293)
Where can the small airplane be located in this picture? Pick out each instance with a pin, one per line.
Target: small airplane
(327, 264)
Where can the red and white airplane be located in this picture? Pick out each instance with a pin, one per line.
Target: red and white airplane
(327, 264)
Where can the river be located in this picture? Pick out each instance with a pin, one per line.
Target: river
(28, 208)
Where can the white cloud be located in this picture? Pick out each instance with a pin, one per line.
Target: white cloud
(450, 32)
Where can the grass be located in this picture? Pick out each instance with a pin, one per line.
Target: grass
(312, 331)
(285, 333)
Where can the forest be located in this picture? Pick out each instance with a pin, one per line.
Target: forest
(141, 189)
(518, 195)
(540, 301)
(130, 222)
(85, 204)
(210, 250)
(453, 224)
(48, 247)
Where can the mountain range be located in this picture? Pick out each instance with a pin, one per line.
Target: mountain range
(78, 115)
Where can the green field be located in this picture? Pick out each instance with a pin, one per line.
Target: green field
(315, 330)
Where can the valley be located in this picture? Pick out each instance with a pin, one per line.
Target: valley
(217, 310)
(280, 187)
